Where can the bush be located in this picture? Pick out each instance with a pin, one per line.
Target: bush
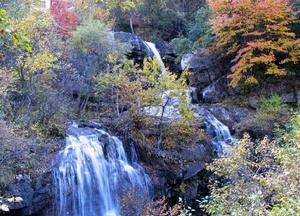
(259, 178)
(91, 45)
(272, 110)
(182, 46)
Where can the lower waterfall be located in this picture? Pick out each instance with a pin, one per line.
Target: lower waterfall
(220, 133)
(94, 176)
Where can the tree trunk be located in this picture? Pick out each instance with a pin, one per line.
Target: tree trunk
(161, 126)
(131, 23)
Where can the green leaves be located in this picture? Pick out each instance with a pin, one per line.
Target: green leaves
(261, 177)
(9, 37)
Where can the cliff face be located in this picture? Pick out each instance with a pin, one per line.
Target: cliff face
(25, 171)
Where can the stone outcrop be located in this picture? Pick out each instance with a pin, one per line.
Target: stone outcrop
(23, 199)
(203, 66)
(169, 168)
(141, 51)
(231, 115)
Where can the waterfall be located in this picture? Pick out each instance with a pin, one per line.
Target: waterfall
(95, 178)
(222, 138)
(156, 55)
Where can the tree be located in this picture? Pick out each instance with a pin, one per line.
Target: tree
(256, 37)
(66, 20)
(127, 6)
(10, 37)
(145, 94)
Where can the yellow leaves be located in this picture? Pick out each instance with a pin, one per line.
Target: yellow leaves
(42, 61)
(255, 180)
(251, 80)
(33, 24)
(273, 69)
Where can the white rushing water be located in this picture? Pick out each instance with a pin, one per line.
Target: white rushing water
(94, 176)
(222, 138)
(156, 55)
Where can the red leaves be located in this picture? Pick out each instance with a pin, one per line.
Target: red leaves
(65, 19)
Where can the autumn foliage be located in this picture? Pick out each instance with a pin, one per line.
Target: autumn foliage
(66, 20)
(256, 37)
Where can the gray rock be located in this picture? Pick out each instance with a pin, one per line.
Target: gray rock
(291, 97)
(168, 167)
(215, 92)
(231, 115)
(203, 67)
(34, 201)
(21, 188)
(141, 51)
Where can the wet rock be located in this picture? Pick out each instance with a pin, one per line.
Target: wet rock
(215, 92)
(141, 51)
(42, 196)
(203, 66)
(22, 199)
(231, 115)
(21, 188)
(168, 167)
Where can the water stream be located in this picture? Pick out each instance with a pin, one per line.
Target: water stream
(222, 138)
(95, 177)
(155, 53)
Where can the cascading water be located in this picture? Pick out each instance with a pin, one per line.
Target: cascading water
(95, 178)
(156, 55)
(222, 138)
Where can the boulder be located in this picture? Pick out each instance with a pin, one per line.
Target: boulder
(22, 199)
(21, 189)
(203, 66)
(167, 168)
(231, 115)
(141, 50)
(215, 92)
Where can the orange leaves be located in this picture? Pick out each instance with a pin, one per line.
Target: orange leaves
(257, 37)
(66, 20)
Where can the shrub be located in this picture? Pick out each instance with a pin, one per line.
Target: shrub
(272, 110)
(91, 45)
(259, 178)
(182, 46)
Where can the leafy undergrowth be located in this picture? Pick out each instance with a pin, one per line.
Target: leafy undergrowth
(259, 177)
(19, 155)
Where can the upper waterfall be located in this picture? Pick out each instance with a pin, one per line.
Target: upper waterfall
(95, 177)
(222, 138)
(156, 55)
